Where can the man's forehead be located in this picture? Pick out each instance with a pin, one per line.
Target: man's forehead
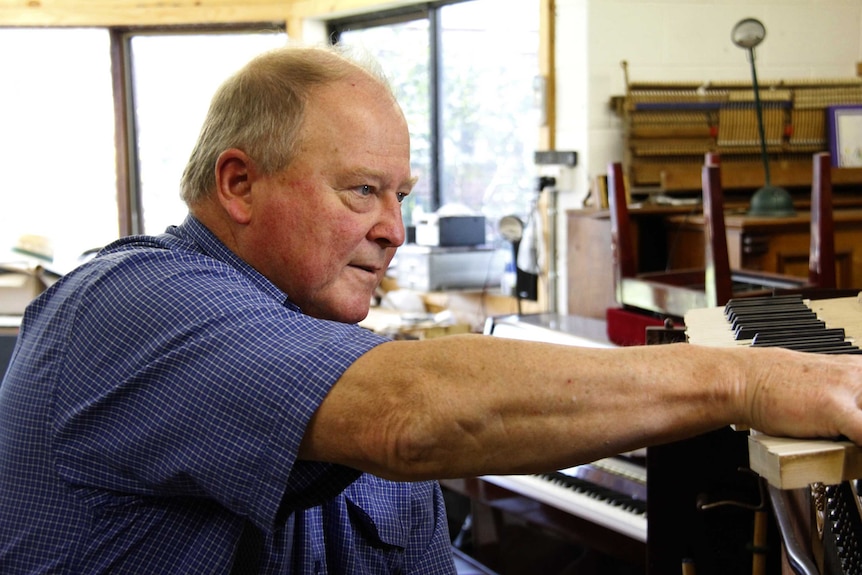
(341, 101)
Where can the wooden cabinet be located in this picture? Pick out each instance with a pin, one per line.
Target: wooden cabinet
(589, 260)
(589, 264)
(779, 245)
(672, 238)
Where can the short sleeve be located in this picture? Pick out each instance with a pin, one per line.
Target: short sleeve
(183, 378)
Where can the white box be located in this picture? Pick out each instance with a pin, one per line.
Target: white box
(429, 268)
(450, 231)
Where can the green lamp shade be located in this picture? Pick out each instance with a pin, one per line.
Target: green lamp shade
(771, 201)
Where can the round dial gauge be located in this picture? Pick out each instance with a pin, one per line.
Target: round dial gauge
(511, 228)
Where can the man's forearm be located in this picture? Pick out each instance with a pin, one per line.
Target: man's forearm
(467, 405)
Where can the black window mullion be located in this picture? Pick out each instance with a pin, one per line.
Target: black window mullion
(436, 105)
(128, 172)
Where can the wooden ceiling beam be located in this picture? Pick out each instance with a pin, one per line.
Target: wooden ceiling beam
(84, 13)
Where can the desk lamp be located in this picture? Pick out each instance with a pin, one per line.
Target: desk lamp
(769, 201)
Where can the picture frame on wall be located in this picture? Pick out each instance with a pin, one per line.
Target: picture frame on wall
(844, 129)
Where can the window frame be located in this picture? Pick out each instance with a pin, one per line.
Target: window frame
(129, 197)
(431, 12)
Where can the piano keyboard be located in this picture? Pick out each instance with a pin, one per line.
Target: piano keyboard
(831, 468)
(821, 326)
(789, 463)
(610, 492)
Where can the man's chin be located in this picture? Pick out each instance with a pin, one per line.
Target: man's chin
(346, 312)
(355, 317)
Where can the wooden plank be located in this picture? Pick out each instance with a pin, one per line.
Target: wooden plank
(338, 8)
(676, 175)
(846, 175)
(144, 13)
(788, 463)
(547, 71)
(671, 131)
(67, 13)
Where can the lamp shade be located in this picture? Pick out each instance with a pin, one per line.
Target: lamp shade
(771, 201)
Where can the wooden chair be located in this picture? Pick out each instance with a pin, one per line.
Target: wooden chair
(722, 282)
(672, 293)
(821, 261)
(667, 293)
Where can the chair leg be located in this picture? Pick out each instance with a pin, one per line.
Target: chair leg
(623, 245)
(718, 282)
(821, 262)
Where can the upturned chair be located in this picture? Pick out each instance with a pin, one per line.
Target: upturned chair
(672, 293)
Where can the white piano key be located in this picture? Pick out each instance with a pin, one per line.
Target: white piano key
(578, 503)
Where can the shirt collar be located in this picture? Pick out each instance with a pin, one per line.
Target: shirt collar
(195, 232)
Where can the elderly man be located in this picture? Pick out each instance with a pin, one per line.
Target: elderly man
(202, 401)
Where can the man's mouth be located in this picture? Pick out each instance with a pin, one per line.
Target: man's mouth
(370, 269)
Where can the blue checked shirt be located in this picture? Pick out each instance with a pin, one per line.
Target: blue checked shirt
(150, 421)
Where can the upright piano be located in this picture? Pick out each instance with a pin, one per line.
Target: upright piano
(609, 507)
(814, 485)
(730, 501)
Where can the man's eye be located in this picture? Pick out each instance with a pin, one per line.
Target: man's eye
(400, 196)
(364, 190)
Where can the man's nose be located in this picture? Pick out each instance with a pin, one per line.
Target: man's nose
(389, 229)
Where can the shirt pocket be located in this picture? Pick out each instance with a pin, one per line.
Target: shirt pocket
(377, 508)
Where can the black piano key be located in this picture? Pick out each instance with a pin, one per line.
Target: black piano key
(816, 347)
(767, 310)
(852, 350)
(799, 308)
(778, 338)
(785, 321)
(789, 320)
(766, 300)
(749, 331)
(761, 309)
(738, 303)
(773, 317)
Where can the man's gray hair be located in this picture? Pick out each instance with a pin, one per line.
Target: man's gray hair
(260, 109)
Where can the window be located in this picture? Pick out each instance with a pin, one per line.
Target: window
(463, 73)
(403, 51)
(58, 137)
(57, 141)
(173, 78)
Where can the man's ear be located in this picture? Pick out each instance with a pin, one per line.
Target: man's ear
(234, 175)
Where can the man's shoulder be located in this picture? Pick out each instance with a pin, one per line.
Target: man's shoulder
(151, 259)
(143, 246)
(156, 272)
